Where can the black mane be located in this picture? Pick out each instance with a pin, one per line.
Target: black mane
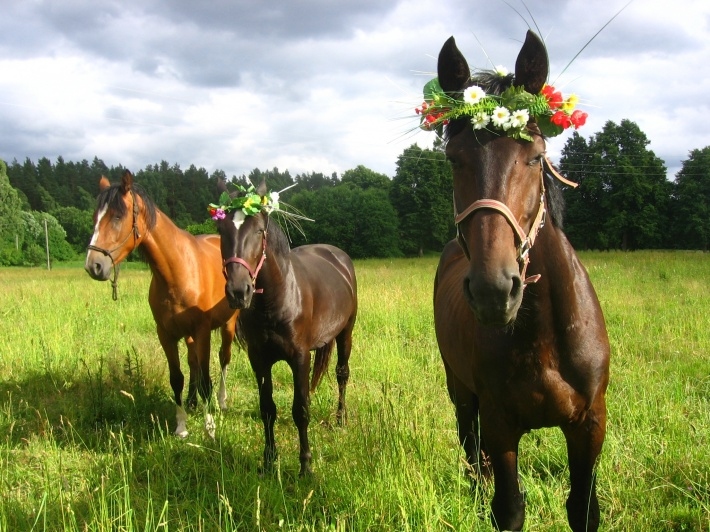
(112, 198)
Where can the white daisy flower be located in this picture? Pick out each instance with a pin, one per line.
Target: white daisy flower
(480, 120)
(473, 95)
(501, 71)
(501, 117)
(519, 118)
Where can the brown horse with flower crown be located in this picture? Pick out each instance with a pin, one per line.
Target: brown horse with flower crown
(519, 326)
(186, 294)
(292, 301)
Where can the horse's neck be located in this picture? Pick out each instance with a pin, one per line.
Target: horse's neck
(161, 249)
(277, 279)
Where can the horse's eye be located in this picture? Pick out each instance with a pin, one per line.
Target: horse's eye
(537, 160)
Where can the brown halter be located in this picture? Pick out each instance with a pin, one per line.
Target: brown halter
(252, 273)
(525, 242)
(107, 252)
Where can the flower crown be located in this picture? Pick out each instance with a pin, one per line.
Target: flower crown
(507, 113)
(250, 203)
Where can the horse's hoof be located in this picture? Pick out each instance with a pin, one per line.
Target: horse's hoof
(181, 433)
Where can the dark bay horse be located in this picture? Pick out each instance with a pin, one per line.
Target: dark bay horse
(519, 327)
(292, 302)
(186, 293)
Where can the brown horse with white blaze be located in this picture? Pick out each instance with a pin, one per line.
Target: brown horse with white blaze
(519, 326)
(186, 294)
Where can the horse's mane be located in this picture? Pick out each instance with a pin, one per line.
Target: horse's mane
(493, 83)
(112, 198)
(278, 241)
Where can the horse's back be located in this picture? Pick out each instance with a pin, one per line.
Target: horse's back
(323, 259)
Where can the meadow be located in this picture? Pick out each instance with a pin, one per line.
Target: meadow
(86, 415)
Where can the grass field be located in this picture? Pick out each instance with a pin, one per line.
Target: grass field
(86, 415)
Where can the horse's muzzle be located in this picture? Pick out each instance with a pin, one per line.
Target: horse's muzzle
(494, 302)
(239, 297)
(98, 266)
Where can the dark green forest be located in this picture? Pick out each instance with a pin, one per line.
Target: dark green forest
(624, 200)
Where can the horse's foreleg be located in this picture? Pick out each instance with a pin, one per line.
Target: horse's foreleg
(342, 370)
(584, 443)
(466, 405)
(508, 504)
(301, 368)
(267, 407)
(225, 356)
(177, 379)
(191, 400)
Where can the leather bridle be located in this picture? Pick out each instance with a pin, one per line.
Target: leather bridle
(252, 273)
(109, 252)
(525, 241)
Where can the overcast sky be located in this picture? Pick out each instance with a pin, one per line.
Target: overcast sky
(322, 85)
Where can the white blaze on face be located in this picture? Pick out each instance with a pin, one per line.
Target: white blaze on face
(99, 216)
(238, 219)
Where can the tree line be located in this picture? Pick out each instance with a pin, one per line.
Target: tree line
(623, 201)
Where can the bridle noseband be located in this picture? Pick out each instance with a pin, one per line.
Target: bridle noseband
(525, 241)
(252, 273)
(108, 252)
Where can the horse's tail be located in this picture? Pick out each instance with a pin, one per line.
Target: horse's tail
(320, 365)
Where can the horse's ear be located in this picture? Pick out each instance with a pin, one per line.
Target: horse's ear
(532, 66)
(452, 68)
(126, 181)
(104, 183)
(261, 190)
(221, 185)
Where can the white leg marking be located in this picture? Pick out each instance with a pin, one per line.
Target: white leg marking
(222, 394)
(210, 425)
(181, 417)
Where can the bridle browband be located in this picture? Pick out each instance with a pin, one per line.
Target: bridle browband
(108, 253)
(252, 273)
(525, 241)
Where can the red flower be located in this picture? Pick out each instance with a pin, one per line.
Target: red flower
(554, 98)
(578, 119)
(562, 119)
(212, 211)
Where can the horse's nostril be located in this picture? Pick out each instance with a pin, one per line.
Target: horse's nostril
(517, 286)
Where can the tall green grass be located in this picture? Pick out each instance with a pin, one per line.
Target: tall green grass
(86, 415)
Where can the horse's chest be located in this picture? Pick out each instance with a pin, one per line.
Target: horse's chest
(529, 388)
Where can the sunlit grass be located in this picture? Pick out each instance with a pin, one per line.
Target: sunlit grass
(86, 415)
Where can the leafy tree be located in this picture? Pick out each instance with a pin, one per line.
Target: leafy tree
(77, 224)
(11, 225)
(361, 222)
(421, 194)
(623, 186)
(365, 178)
(691, 202)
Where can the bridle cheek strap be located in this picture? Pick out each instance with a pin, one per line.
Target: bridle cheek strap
(252, 273)
(109, 252)
(526, 241)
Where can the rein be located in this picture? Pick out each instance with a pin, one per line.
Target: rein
(526, 241)
(107, 252)
(252, 273)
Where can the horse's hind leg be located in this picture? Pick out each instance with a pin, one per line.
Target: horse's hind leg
(466, 405)
(225, 356)
(343, 343)
(177, 379)
(584, 443)
(198, 354)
